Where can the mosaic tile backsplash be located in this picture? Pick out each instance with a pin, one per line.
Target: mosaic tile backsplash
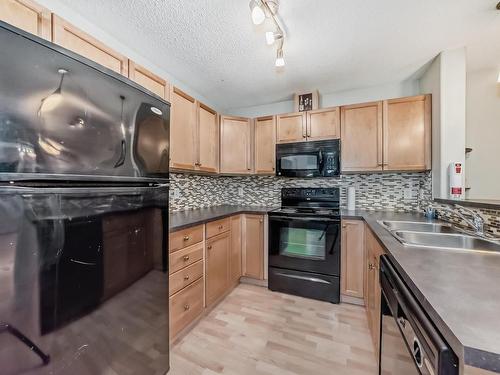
(373, 191)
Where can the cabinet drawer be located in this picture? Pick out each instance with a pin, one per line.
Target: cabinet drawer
(185, 237)
(185, 306)
(217, 227)
(185, 257)
(184, 277)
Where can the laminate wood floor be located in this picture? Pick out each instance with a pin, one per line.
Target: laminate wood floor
(256, 331)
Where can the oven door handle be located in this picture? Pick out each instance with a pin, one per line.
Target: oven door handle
(290, 218)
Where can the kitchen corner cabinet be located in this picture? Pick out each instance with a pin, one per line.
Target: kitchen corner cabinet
(235, 145)
(207, 139)
(182, 130)
(148, 80)
(309, 126)
(72, 38)
(361, 134)
(236, 242)
(353, 256)
(373, 292)
(407, 133)
(265, 145)
(217, 267)
(28, 16)
(253, 248)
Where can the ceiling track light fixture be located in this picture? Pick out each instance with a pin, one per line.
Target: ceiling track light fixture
(262, 9)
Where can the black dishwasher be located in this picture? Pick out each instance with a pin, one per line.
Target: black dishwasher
(409, 342)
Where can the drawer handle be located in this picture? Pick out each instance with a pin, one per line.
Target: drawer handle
(186, 307)
(371, 266)
(186, 277)
(186, 238)
(186, 258)
(209, 247)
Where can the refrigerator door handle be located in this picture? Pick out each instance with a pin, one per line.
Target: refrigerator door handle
(121, 159)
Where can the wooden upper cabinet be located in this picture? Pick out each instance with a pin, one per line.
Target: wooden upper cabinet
(291, 127)
(407, 133)
(265, 145)
(72, 38)
(352, 275)
(361, 130)
(253, 235)
(28, 16)
(182, 130)
(148, 80)
(207, 139)
(323, 124)
(235, 145)
(217, 267)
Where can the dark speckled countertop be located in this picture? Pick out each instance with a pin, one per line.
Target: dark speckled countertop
(459, 290)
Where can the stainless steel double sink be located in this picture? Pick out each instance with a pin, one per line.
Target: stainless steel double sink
(438, 235)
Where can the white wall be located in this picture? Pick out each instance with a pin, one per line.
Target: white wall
(360, 95)
(86, 25)
(483, 134)
(445, 79)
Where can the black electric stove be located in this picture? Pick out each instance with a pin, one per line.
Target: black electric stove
(304, 243)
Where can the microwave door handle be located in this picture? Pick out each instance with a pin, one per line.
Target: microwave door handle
(320, 157)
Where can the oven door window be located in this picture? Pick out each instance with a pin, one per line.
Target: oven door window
(300, 162)
(303, 243)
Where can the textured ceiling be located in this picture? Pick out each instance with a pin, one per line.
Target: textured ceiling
(332, 45)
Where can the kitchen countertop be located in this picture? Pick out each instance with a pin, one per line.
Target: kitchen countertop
(188, 218)
(459, 290)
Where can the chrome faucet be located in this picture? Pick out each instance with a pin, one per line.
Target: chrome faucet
(477, 222)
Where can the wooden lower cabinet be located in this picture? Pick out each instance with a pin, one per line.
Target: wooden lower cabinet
(253, 246)
(184, 277)
(217, 267)
(235, 258)
(373, 292)
(185, 306)
(352, 274)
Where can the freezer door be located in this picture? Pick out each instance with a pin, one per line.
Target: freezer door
(64, 117)
(83, 281)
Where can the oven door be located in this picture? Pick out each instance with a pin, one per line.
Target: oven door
(305, 244)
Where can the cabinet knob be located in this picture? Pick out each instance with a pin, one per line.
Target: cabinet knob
(261, 221)
(344, 226)
(209, 247)
(220, 227)
(186, 277)
(186, 238)
(186, 258)
(186, 307)
(371, 266)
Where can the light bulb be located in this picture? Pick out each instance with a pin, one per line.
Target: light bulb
(280, 61)
(258, 14)
(51, 102)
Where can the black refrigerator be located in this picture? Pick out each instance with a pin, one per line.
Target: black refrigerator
(84, 156)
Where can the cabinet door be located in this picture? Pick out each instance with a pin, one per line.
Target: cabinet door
(208, 139)
(291, 127)
(72, 38)
(235, 145)
(323, 124)
(182, 131)
(265, 145)
(217, 267)
(361, 131)
(150, 81)
(27, 15)
(407, 134)
(235, 249)
(254, 246)
(353, 258)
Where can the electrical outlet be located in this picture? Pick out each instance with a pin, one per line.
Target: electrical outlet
(407, 194)
(240, 191)
(176, 193)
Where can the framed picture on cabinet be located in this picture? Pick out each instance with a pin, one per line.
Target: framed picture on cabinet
(306, 101)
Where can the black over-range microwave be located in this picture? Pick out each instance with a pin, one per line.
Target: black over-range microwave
(308, 159)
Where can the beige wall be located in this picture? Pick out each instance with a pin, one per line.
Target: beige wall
(483, 134)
